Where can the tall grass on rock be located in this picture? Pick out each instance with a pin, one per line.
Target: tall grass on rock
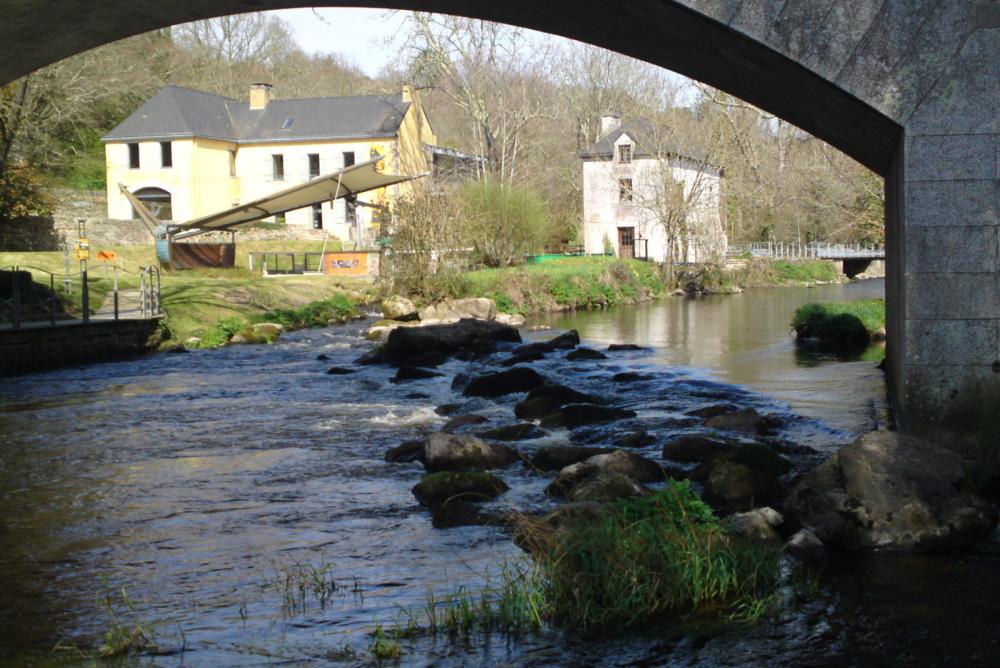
(665, 553)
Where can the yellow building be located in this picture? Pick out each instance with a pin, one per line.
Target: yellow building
(187, 154)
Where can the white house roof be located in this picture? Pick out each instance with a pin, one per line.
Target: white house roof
(643, 134)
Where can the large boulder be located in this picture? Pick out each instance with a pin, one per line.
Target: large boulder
(747, 421)
(565, 341)
(512, 319)
(890, 491)
(629, 464)
(576, 415)
(759, 525)
(517, 379)
(537, 408)
(558, 457)
(398, 308)
(453, 310)
(453, 452)
(437, 488)
(404, 343)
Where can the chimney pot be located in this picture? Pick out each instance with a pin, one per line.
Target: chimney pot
(260, 95)
(610, 120)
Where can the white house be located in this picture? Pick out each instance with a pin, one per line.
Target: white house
(640, 196)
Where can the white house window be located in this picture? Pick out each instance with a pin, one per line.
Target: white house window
(278, 167)
(287, 123)
(133, 155)
(166, 154)
(625, 153)
(348, 158)
(624, 190)
(313, 165)
(317, 210)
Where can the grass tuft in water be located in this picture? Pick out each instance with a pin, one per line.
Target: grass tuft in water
(300, 583)
(127, 633)
(382, 648)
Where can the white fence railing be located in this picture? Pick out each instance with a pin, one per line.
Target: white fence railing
(797, 251)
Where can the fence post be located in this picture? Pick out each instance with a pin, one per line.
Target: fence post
(116, 292)
(86, 297)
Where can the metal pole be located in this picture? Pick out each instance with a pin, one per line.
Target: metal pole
(86, 297)
(116, 292)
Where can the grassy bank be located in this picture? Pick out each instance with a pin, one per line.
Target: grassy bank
(761, 274)
(561, 284)
(203, 303)
(845, 324)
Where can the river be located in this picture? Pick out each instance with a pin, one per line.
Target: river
(187, 494)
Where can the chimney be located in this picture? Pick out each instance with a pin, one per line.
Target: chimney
(260, 95)
(407, 93)
(610, 120)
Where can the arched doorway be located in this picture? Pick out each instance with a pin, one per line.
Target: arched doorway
(157, 201)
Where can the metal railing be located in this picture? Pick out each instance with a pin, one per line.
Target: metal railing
(799, 251)
(21, 304)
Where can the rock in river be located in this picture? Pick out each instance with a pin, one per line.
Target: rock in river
(743, 478)
(629, 464)
(585, 354)
(747, 421)
(565, 341)
(518, 379)
(537, 408)
(463, 420)
(436, 488)
(407, 451)
(558, 457)
(607, 486)
(522, 431)
(890, 491)
(695, 448)
(451, 452)
(404, 343)
(406, 372)
(563, 394)
(575, 415)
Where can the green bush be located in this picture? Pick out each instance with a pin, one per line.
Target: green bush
(506, 222)
(847, 324)
(337, 308)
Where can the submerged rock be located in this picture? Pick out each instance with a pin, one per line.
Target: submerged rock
(463, 420)
(339, 371)
(432, 358)
(629, 464)
(458, 512)
(406, 373)
(712, 411)
(629, 377)
(585, 354)
(575, 415)
(522, 431)
(521, 358)
(558, 457)
(891, 491)
(447, 409)
(617, 347)
(517, 379)
(636, 439)
(607, 486)
(452, 452)
(472, 486)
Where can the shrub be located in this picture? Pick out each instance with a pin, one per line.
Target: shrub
(337, 308)
(506, 222)
(846, 325)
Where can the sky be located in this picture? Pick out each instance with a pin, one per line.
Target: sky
(360, 34)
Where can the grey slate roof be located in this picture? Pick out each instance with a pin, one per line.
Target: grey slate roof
(176, 112)
(643, 133)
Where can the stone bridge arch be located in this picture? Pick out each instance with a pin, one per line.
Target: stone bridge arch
(906, 87)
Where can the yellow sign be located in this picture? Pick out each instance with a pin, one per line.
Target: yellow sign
(83, 249)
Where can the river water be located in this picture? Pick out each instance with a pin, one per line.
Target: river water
(183, 493)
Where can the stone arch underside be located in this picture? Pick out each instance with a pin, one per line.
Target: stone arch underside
(906, 87)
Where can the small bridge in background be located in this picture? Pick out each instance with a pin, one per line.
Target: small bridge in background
(855, 258)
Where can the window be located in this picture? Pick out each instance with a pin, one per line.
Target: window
(133, 156)
(277, 167)
(287, 123)
(313, 165)
(348, 158)
(624, 190)
(625, 153)
(351, 209)
(166, 154)
(232, 163)
(317, 216)
(156, 200)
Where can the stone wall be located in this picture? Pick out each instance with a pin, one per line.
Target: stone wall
(34, 348)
